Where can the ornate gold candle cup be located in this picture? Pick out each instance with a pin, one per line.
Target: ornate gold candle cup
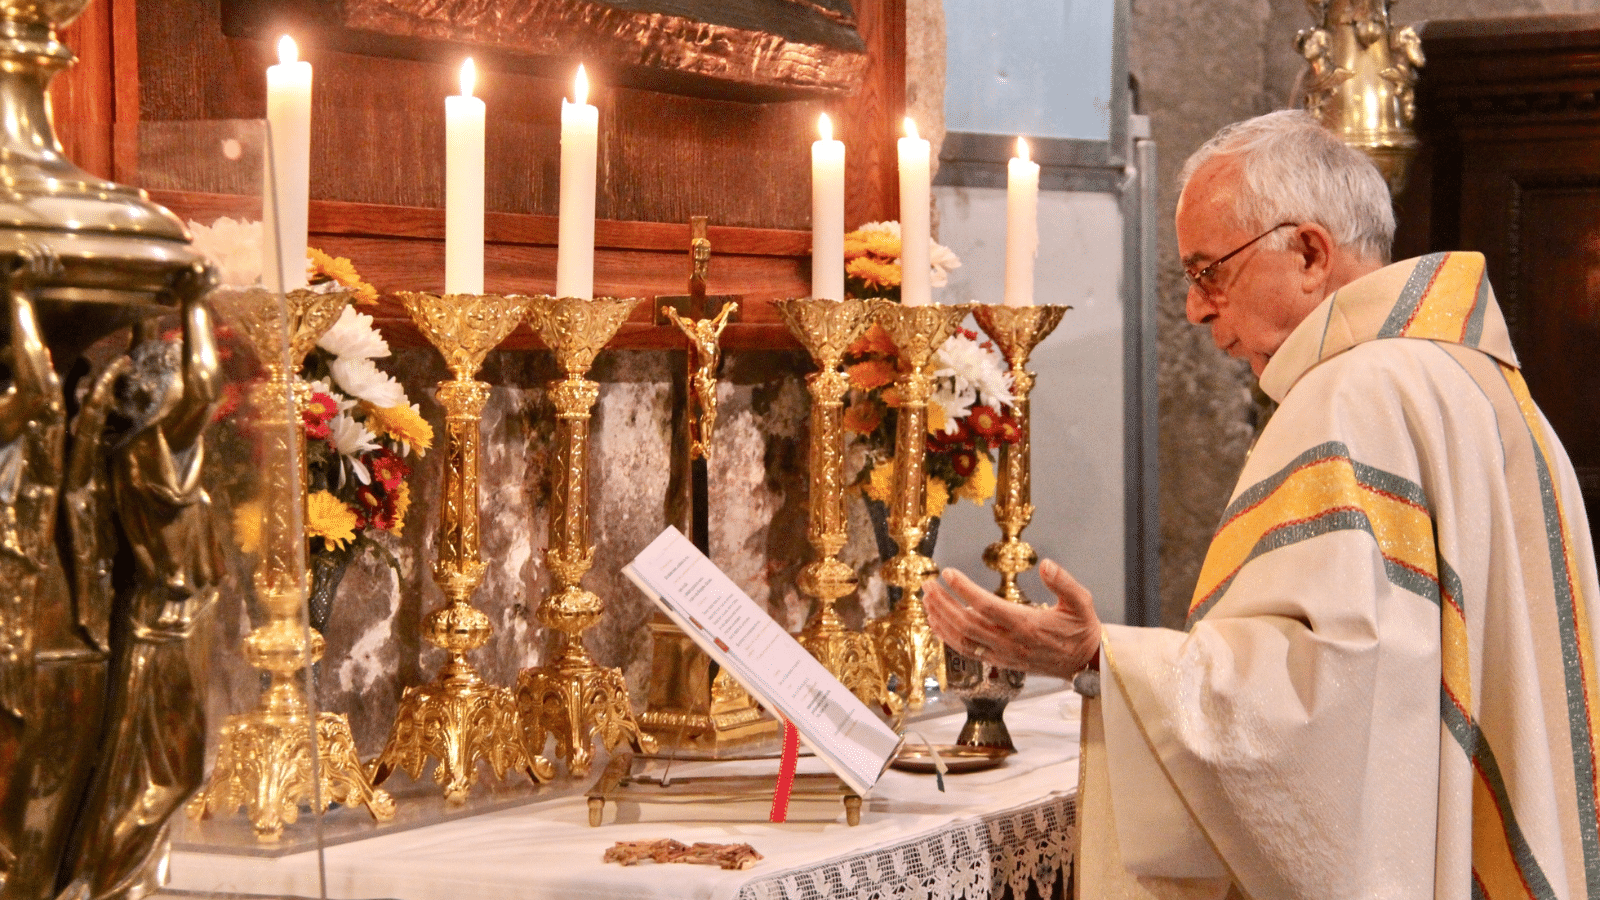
(265, 761)
(984, 689)
(459, 718)
(827, 328)
(571, 697)
(906, 644)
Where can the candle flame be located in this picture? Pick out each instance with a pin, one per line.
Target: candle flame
(580, 87)
(287, 51)
(911, 127)
(1022, 149)
(825, 127)
(469, 77)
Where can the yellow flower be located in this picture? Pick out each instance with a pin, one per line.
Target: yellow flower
(328, 517)
(874, 272)
(402, 502)
(247, 525)
(880, 487)
(936, 418)
(938, 497)
(343, 271)
(880, 483)
(401, 423)
(980, 486)
(877, 243)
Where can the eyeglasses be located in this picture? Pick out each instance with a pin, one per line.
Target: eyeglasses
(1202, 280)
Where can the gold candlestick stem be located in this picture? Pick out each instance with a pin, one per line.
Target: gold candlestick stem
(827, 328)
(459, 718)
(905, 642)
(1016, 331)
(571, 697)
(264, 758)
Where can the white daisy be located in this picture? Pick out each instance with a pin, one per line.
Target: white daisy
(353, 337)
(351, 439)
(974, 369)
(890, 227)
(361, 379)
(943, 259)
(233, 246)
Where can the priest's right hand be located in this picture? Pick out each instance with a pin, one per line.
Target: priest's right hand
(1058, 640)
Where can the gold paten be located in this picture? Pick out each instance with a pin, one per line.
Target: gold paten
(459, 718)
(905, 643)
(1360, 80)
(827, 328)
(1016, 330)
(570, 697)
(264, 757)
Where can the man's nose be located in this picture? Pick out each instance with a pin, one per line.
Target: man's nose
(1198, 307)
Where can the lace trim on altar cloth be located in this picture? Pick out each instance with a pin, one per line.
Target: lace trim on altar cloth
(971, 860)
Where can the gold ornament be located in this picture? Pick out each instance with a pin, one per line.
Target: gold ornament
(571, 697)
(459, 718)
(827, 328)
(264, 761)
(905, 643)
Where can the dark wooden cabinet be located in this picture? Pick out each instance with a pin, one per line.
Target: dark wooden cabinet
(1509, 116)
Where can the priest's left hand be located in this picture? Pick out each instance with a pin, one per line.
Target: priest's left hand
(1055, 640)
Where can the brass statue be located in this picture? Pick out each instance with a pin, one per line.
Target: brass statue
(1360, 80)
(705, 354)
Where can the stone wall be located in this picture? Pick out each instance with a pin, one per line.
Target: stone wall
(1200, 65)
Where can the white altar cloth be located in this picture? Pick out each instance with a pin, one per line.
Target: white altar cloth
(1005, 826)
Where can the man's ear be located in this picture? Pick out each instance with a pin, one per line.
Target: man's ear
(1314, 245)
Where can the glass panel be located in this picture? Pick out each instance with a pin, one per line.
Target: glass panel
(1041, 68)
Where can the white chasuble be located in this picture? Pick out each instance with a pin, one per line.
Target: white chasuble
(1388, 685)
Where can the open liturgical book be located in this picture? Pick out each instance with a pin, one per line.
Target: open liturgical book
(771, 664)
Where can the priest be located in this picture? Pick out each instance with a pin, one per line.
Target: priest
(1388, 683)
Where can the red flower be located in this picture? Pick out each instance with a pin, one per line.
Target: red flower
(985, 421)
(388, 469)
(964, 462)
(319, 411)
(962, 435)
(1010, 431)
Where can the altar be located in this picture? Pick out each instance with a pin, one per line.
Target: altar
(991, 833)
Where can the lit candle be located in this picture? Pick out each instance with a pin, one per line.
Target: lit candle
(580, 130)
(827, 214)
(915, 228)
(463, 188)
(1022, 226)
(289, 169)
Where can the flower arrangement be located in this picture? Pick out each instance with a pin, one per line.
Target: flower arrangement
(359, 425)
(969, 413)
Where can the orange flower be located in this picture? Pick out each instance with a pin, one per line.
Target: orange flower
(863, 418)
(875, 340)
(875, 242)
(891, 397)
(871, 374)
(873, 272)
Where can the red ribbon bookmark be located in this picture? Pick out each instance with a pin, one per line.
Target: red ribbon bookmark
(791, 754)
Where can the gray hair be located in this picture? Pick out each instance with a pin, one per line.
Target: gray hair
(1294, 170)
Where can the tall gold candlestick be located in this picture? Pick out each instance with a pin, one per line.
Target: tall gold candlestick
(827, 328)
(265, 757)
(984, 689)
(906, 644)
(459, 718)
(571, 697)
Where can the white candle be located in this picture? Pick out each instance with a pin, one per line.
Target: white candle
(1022, 226)
(827, 214)
(463, 188)
(915, 229)
(580, 130)
(286, 200)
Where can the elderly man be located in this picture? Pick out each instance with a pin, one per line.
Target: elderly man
(1388, 685)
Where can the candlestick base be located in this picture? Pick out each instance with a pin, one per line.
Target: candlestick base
(850, 656)
(577, 702)
(264, 765)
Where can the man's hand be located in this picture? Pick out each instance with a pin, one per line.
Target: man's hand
(1055, 640)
